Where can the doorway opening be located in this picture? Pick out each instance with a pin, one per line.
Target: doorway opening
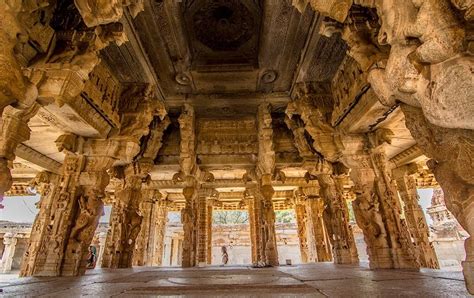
(231, 228)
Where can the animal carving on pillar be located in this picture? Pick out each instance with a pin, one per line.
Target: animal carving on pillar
(421, 73)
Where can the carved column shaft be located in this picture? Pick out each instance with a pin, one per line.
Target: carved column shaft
(268, 234)
(65, 206)
(202, 230)
(254, 224)
(48, 186)
(189, 218)
(6, 261)
(301, 218)
(336, 219)
(377, 213)
(321, 240)
(102, 239)
(156, 243)
(141, 253)
(416, 222)
(125, 224)
(209, 234)
(402, 250)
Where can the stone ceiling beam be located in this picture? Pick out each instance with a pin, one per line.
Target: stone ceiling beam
(141, 55)
(407, 156)
(36, 158)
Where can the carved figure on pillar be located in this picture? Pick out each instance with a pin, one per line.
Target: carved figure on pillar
(336, 218)
(264, 193)
(322, 245)
(415, 216)
(48, 186)
(299, 202)
(377, 208)
(126, 218)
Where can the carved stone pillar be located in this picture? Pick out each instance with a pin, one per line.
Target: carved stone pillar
(201, 209)
(336, 219)
(157, 238)
(209, 234)
(102, 239)
(377, 212)
(451, 151)
(78, 207)
(254, 225)
(9, 240)
(188, 218)
(125, 220)
(321, 240)
(301, 219)
(205, 225)
(145, 237)
(415, 216)
(47, 185)
(268, 234)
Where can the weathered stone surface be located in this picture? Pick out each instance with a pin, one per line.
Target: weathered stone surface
(451, 153)
(258, 112)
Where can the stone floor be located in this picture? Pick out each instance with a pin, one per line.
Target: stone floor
(313, 280)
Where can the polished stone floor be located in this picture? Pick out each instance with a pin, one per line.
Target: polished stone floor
(312, 280)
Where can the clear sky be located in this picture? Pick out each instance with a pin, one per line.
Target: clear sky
(23, 209)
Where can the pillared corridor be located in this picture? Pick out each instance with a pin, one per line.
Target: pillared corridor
(339, 110)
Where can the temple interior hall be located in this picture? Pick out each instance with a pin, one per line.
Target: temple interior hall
(237, 148)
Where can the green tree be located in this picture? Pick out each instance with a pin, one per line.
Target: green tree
(224, 217)
(285, 216)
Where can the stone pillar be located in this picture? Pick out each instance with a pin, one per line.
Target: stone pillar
(9, 240)
(47, 185)
(450, 151)
(377, 212)
(336, 219)
(146, 236)
(268, 235)
(321, 242)
(156, 243)
(207, 198)
(209, 233)
(77, 207)
(126, 220)
(301, 219)
(175, 253)
(102, 239)
(264, 194)
(415, 216)
(166, 261)
(202, 228)
(254, 226)
(188, 218)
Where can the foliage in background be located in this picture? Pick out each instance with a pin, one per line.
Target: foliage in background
(285, 216)
(223, 217)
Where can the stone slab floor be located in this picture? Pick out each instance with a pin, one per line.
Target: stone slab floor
(312, 280)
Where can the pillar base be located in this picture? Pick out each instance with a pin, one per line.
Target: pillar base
(344, 256)
(392, 258)
(468, 271)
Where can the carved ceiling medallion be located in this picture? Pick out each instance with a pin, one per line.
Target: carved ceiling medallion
(224, 25)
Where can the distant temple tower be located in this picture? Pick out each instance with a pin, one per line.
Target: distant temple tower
(445, 225)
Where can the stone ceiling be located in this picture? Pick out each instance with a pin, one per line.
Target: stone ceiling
(227, 56)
